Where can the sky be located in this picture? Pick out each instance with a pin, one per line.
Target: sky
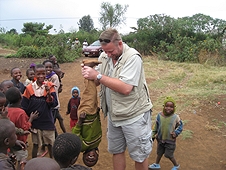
(66, 14)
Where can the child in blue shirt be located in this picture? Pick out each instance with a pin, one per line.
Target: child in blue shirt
(167, 128)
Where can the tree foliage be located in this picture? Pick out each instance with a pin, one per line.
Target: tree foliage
(112, 15)
(36, 28)
(86, 23)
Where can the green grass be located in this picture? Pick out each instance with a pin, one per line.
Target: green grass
(187, 83)
(186, 134)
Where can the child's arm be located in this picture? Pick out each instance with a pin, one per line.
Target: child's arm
(155, 129)
(21, 132)
(68, 107)
(33, 115)
(178, 129)
(77, 129)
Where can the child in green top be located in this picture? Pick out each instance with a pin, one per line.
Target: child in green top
(167, 127)
(88, 127)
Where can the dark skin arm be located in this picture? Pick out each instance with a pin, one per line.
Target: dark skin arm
(49, 97)
(81, 118)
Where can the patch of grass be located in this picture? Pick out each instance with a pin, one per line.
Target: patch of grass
(188, 83)
(187, 134)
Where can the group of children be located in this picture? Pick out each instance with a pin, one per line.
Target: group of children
(33, 107)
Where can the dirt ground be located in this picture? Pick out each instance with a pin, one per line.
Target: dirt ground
(204, 151)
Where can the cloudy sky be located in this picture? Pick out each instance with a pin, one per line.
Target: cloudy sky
(13, 13)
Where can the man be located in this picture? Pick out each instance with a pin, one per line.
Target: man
(125, 99)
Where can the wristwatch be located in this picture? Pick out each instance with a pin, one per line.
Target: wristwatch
(99, 76)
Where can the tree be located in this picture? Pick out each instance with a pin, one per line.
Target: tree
(112, 16)
(86, 24)
(12, 31)
(36, 28)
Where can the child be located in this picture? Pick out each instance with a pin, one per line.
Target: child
(41, 97)
(7, 140)
(3, 110)
(20, 119)
(88, 127)
(57, 70)
(42, 164)
(168, 126)
(51, 76)
(4, 86)
(30, 76)
(16, 75)
(66, 150)
(73, 105)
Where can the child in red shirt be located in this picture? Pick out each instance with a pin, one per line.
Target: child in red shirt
(19, 117)
(72, 107)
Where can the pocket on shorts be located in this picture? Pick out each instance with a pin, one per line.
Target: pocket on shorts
(146, 144)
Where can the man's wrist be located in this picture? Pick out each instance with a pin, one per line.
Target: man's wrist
(99, 76)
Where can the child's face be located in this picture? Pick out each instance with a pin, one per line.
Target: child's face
(75, 93)
(40, 74)
(49, 68)
(16, 74)
(169, 108)
(53, 59)
(2, 103)
(90, 158)
(31, 75)
(7, 85)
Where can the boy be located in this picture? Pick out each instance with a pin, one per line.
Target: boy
(167, 128)
(40, 96)
(30, 76)
(51, 76)
(72, 107)
(88, 127)
(4, 86)
(66, 150)
(20, 119)
(16, 75)
(3, 110)
(57, 70)
(7, 140)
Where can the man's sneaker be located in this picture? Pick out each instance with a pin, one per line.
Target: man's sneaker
(176, 167)
(154, 166)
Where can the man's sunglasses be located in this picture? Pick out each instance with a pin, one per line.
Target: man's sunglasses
(105, 40)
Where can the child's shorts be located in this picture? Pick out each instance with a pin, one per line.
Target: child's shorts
(167, 149)
(43, 137)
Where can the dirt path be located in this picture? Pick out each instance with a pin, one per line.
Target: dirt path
(204, 151)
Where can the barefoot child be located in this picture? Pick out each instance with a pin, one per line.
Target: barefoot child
(167, 128)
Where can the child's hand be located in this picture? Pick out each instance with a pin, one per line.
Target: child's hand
(21, 144)
(174, 135)
(81, 118)
(46, 87)
(33, 115)
(26, 132)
